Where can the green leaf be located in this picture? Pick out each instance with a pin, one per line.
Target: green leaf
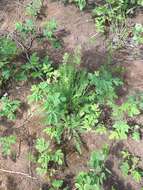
(125, 168)
(41, 145)
(136, 176)
(136, 136)
(57, 183)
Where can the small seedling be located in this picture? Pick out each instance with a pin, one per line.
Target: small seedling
(97, 174)
(130, 166)
(34, 8)
(46, 156)
(8, 52)
(8, 108)
(56, 184)
(35, 68)
(49, 29)
(120, 115)
(26, 29)
(81, 4)
(6, 143)
(138, 34)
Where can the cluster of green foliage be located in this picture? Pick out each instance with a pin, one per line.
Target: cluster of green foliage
(8, 51)
(46, 157)
(106, 85)
(26, 29)
(8, 108)
(112, 12)
(35, 68)
(48, 30)
(120, 115)
(130, 166)
(29, 31)
(81, 4)
(111, 19)
(34, 8)
(97, 174)
(69, 100)
(138, 34)
(6, 142)
(57, 184)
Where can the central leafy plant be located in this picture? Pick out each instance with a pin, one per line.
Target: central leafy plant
(67, 101)
(70, 99)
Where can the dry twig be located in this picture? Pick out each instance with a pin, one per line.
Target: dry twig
(18, 173)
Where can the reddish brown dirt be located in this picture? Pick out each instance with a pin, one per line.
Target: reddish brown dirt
(80, 29)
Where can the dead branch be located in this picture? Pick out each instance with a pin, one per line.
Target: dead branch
(18, 173)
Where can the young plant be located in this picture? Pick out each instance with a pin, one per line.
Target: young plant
(6, 143)
(97, 174)
(49, 29)
(120, 115)
(46, 157)
(108, 13)
(34, 8)
(81, 4)
(26, 29)
(67, 102)
(56, 184)
(8, 108)
(130, 166)
(35, 68)
(138, 34)
(8, 51)
(112, 13)
(106, 85)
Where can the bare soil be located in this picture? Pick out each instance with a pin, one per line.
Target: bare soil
(80, 30)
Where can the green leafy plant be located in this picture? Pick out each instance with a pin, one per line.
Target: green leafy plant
(67, 102)
(106, 85)
(130, 166)
(108, 13)
(113, 13)
(120, 130)
(26, 29)
(97, 174)
(47, 156)
(56, 184)
(8, 52)
(34, 8)
(111, 19)
(35, 68)
(81, 4)
(138, 34)
(120, 115)
(49, 29)
(29, 32)
(8, 108)
(6, 143)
